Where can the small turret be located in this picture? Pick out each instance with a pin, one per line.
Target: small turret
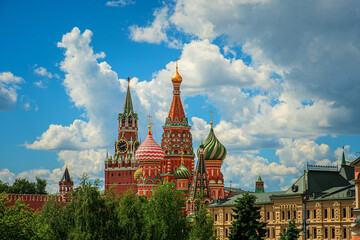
(65, 185)
(259, 185)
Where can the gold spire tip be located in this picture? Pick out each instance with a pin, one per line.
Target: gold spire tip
(211, 122)
(149, 116)
(128, 78)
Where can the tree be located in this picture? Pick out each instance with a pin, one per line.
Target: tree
(163, 215)
(40, 186)
(131, 215)
(4, 187)
(202, 229)
(23, 186)
(246, 224)
(16, 222)
(291, 233)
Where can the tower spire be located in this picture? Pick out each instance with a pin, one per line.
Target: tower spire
(128, 106)
(211, 122)
(343, 161)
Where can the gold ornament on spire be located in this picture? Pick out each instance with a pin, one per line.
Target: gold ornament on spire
(176, 78)
(211, 122)
(149, 116)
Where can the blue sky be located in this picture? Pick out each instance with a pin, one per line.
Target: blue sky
(281, 78)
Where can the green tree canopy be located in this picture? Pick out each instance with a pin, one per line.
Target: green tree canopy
(24, 186)
(291, 233)
(246, 224)
(202, 228)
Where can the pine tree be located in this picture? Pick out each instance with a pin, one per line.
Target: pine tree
(292, 233)
(246, 224)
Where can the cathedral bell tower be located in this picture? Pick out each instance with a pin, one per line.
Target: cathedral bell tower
(176, 137)
(120, 168)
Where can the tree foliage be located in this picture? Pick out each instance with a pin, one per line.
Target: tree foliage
(246, 224)
(291, 233)
(202, 229)
(24, 186)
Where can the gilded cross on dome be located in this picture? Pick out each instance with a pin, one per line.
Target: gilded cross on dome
(211, 123)
(149, 116)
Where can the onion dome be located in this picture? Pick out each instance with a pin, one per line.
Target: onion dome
(176, 78)
(137, 174)
(182, 172)
(213, 149)
(149, 150)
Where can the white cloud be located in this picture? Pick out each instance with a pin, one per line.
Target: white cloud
(41, 71)
(243, 170)
(40, 84)
(8, 90)
(93, 87)
(119, 3)
(155, 33)
(7, 176)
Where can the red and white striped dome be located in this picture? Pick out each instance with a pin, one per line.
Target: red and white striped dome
(149, 150)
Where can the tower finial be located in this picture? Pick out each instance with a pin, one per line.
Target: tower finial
(230, 186)
(177, 64)
(149, 116)
(128, 81)
(211, 123)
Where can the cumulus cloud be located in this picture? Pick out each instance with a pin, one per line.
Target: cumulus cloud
(155, 33)
(9, 84)
(6, 175)
(92, 87)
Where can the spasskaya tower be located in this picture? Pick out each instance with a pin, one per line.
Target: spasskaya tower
(120, 168)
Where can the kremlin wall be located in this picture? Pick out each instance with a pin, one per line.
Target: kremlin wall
(325, 200)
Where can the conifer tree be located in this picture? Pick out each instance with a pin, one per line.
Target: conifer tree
(292, 233)
(246, 224)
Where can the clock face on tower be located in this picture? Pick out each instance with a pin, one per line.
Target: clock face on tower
(136, 145)
(122, 146)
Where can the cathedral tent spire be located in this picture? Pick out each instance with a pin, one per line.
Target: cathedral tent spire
(128, 106)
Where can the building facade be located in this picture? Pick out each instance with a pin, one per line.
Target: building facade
(321, 200)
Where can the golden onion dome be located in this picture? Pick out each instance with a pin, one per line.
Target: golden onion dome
(137, 174)
(176, 78)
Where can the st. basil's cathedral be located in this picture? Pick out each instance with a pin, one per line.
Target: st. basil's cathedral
(144, 166)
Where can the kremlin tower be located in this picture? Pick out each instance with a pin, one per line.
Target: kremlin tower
(66, 185)
(259, 185)
(176, 137)
(120, 168)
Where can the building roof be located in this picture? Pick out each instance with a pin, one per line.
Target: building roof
(66, 176)
(128, 106)
(314, 185)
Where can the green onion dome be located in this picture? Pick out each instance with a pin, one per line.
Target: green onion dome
(182, 172)
(137, 174)
(213, 149)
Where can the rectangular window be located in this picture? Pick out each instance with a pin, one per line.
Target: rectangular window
(215, 232)
(351, 213)
(268, 233)
(332, 232)
(325, 213)
(344, 212)
(215, 217)
(268, 215)
(314, 232)
(226, 232)
(307, 233)
(226, 217)
(332, 213)
(345, 233)
(307, 214)
(326, 233)
(289, 217)
(295, 215)
(283, 215)
(314, 214)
